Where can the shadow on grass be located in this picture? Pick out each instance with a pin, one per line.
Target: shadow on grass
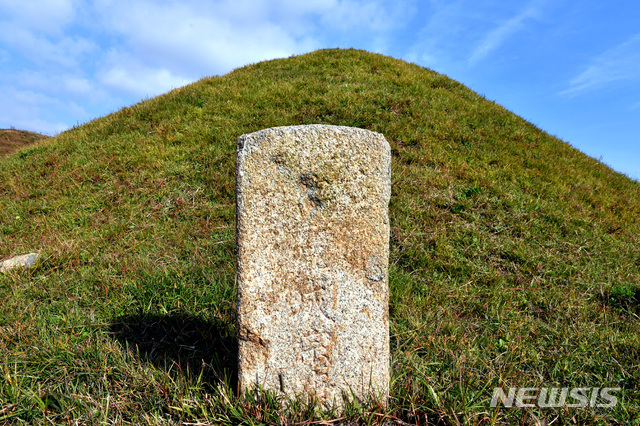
(179, 343)
(625, 298)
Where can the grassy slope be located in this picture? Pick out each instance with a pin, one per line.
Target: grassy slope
(12, 140)
(514, 257)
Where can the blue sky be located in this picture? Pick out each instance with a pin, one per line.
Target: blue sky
(572, 68)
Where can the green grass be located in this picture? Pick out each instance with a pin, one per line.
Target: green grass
(514, 257)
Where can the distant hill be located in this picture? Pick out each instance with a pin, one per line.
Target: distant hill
(514, 257)
(11, 140)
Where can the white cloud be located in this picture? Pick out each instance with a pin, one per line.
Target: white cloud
(38, 125)
(78, 86)
(40, 49)
(24, 109)
(114, 52)
(436, 43)
(45, 16)
(496, 37)
(72, 85)
(373, 15)
(620, 63)
(188, 40)
(458, 34)
(128, 76)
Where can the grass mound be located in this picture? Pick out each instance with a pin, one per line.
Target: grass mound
(514, 257)
(12, 140)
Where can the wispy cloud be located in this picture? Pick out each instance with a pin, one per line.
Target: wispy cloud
(457, 34)
(497, 36)
(621, 63)
(188, 37)
(129, 49)
(31, 110)
(438, 41)
(45, 50)
(127, 75)
(46, 16)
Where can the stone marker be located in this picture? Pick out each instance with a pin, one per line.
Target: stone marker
(313, 250)
(22, 261)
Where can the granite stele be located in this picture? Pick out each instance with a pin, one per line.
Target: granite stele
(313, 250)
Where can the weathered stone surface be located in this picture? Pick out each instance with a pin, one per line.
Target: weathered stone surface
(22, 261)
(313, 250)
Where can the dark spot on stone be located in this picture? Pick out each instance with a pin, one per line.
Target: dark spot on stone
(310, 182)
(280, 159)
